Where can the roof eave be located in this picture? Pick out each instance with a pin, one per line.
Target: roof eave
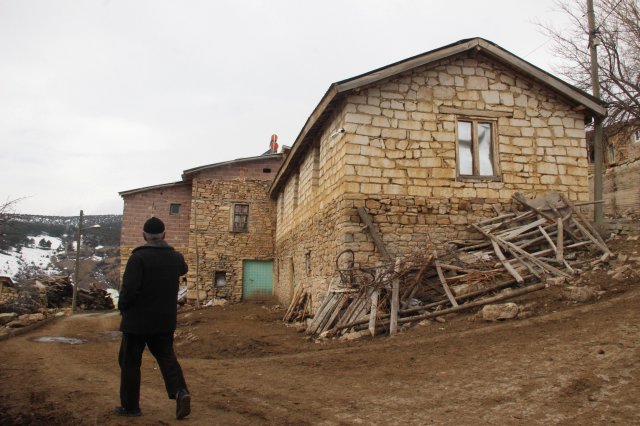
(343, 87)
(299, 144)
(188, 172)
(153, 187)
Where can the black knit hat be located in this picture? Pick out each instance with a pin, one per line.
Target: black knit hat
(153, 226)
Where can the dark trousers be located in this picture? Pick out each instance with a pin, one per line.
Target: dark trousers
(130, 359)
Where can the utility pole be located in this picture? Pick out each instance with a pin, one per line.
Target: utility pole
(77, 273)
(597, 131)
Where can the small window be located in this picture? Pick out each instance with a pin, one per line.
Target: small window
(174, 209)
(636, 136)
(307, 262)
(240, 217)
(612, 153)
(266, 170)
(476, 149)
(220, 279)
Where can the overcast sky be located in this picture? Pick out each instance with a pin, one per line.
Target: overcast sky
(102, 96)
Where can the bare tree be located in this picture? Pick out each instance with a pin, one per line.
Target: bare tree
(618, 35)
(7, 210)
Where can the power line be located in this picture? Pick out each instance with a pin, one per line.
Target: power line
(534, 50)
(609, 14)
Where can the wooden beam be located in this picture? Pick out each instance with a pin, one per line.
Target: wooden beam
(477, 303)
(474, 112)
(395, 301)
(443, 281)
(374, 312)
(377, 239)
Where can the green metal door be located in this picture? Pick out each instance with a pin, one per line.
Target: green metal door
(257, 279)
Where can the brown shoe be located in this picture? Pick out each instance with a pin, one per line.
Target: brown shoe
(183, 404)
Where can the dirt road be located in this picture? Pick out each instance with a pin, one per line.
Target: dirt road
(569, 364)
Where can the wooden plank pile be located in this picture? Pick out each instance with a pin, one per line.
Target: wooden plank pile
(59, 294)
(58, 290)
(547, 237)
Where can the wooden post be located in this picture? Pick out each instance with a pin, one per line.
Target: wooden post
(195, 227)
(395, 301)
(374, 312)
(74, 299)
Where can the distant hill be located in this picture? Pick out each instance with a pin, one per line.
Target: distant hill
(32, 245)
(20, 226)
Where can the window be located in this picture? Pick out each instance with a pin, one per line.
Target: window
(296, 186)
(612, 153)
(636, 136)
(220, 279)
(174, 209)
(266, 170)
(476, 148)
(240, 218)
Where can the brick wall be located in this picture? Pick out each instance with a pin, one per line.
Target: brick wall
(398, 158)
(140, 206)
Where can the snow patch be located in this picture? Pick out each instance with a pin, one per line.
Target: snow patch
(13, 260)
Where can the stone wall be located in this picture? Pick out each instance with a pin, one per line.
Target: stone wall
(397, 158)
(213, 242)
(8, 295)
(140, 206)
(621, 189)
(625, 147)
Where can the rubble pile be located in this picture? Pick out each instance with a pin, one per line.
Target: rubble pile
(547, 238)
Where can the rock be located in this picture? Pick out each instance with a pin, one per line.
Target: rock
(425, 323)
(354, 335)
(32, 317)
(7, 318)
(25, 320)
(621, 273)
(579, 294)
(499, 312)
(556, 281)
(19, 323)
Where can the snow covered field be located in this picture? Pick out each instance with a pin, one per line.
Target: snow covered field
(10, 264)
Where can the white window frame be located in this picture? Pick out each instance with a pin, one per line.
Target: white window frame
(495, 160)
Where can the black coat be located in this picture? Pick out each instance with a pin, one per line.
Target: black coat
(148, 299)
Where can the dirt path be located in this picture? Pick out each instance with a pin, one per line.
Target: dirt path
(568, 364)
(576, 366)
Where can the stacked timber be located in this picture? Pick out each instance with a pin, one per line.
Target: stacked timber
(547, 237)
(59, 294)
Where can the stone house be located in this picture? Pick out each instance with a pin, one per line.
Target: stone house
(221, 218)
(621, 144)
(621, 156)
(8, 292)
(426, 145)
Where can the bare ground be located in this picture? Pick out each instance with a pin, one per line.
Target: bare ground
(566, 364)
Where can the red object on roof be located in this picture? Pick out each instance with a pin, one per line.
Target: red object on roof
(273, 145)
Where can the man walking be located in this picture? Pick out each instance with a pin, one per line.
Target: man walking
(148, 305)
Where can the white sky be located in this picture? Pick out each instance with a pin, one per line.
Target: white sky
(101, 96)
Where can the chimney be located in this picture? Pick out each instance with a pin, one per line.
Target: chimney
(273, 145)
